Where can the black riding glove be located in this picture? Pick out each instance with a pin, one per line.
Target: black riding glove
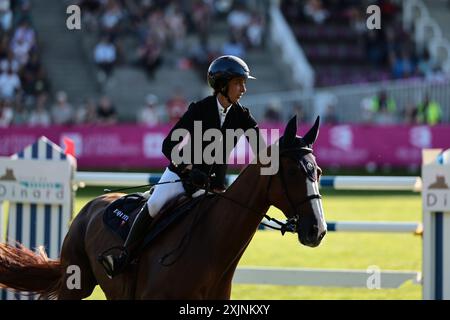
(198, 178)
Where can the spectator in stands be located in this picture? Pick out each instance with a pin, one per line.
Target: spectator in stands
(273, 111)
(87, 112)
(149, 55)
(233, 47)
(238, 20)
(6, 16)
(201, 56)
(383, 108)
(391, 42)
(299, 111)
(315, 11)
(429, 112)
(402, 66)
(21, 115)
(106, 112)
(90, 9)
(330, 116)
(255, 31)
(148, 115)
(21, 50)
(176, 26)
(6, 114)
(426, 65)
(105, 56)
(35, 84)
(176, 105)
(157, 26)
(24, 33)
(410, 113)
(358, 20)
(389, 10)
(112, 17)
(62, 111)
(33, 65)
(201, 18)
(10, 62)
(23, 41)
(4, 48)
(374, 46)
(22, 10)
(10, 84)
(40, 116)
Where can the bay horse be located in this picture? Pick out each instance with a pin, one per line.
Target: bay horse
(218, 229)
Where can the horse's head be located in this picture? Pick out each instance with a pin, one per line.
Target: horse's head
(295, 188)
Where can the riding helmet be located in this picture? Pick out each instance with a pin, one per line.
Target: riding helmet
(225, 68)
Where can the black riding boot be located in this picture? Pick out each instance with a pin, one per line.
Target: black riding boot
(114, 265)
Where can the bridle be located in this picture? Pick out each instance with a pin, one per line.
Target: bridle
(291, 224)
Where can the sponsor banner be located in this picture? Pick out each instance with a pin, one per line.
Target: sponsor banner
(133, 146)
(35, 181)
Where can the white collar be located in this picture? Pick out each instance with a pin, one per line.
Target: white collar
(221, 109)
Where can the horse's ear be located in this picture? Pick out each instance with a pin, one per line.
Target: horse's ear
(311, 136)
(290, 132)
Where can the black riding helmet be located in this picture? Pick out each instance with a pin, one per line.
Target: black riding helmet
(225, 68)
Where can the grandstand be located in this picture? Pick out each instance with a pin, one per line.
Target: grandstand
(327, 62)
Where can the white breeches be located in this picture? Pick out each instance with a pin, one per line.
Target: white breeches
(162, 193)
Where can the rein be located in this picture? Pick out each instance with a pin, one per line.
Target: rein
(291, 223)
(142, 186)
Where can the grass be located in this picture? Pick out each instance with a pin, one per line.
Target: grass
(338, 250)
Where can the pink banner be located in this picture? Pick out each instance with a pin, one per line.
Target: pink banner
(132, 146)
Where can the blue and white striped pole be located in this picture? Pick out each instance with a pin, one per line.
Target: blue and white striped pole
(436, 222)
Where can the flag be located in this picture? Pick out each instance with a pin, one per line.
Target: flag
(70, 146)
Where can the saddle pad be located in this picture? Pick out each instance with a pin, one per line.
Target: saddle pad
(120, 214)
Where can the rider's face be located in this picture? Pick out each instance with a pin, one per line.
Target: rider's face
(236, 89)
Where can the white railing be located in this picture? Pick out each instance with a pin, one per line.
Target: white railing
(291, 52)
(347, 99)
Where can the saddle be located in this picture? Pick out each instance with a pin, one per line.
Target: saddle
(121, 213)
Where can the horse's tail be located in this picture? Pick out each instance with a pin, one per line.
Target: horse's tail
(24, 270)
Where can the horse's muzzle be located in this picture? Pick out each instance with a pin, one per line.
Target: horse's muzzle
(313, 238)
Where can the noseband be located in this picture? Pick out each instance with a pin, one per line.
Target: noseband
(291, 224)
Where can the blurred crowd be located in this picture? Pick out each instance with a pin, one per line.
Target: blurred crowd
(342, 49)
(154, 27)
(184, 27)
(378, 109)
(23, 80)
(91, 111)
(384, 109)
(159, 26)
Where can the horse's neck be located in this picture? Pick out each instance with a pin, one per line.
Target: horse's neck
(250, 190)
(237, 218)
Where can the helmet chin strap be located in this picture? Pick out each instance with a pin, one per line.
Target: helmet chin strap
(224, 92)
